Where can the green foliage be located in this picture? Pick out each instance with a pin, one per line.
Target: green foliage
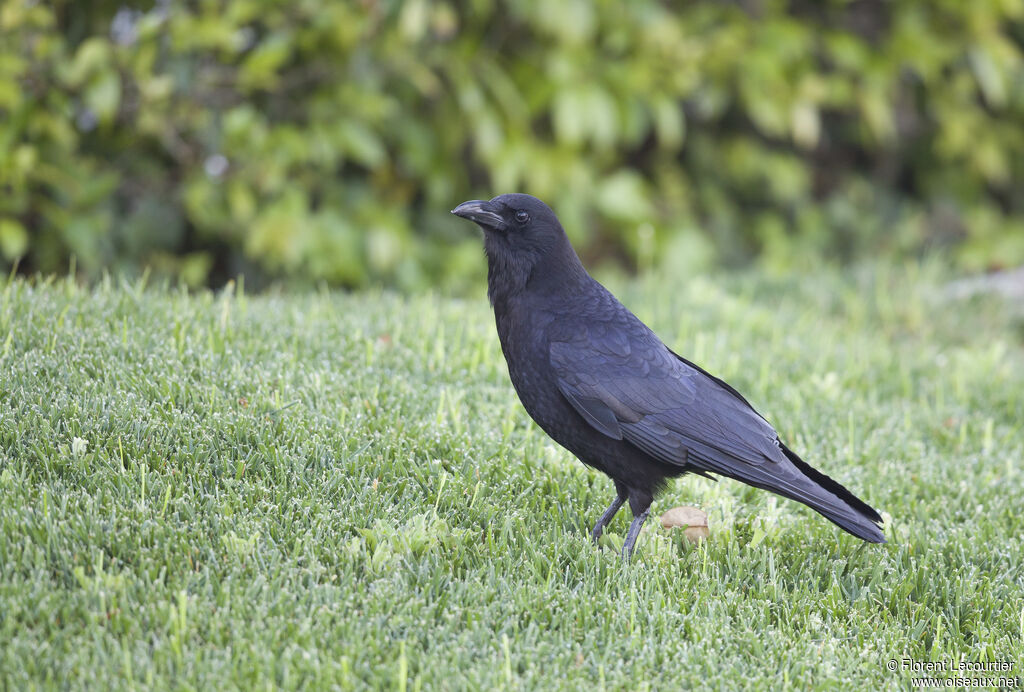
(340, 491)
(327, 140)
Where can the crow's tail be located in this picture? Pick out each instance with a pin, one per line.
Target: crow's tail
(850, 514)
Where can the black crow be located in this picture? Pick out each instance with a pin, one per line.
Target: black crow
(602, 385)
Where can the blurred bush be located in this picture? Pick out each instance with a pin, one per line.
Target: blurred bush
(328, 140)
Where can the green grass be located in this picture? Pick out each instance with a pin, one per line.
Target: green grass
(221, 490)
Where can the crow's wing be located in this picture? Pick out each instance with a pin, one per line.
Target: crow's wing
(628, 385)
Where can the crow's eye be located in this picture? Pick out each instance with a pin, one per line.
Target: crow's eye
(522, 216)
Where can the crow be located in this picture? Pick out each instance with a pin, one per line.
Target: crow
(600, 383)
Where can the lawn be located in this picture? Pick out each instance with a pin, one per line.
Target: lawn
(324, 490)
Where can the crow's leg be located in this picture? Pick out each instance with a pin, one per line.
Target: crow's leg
(634, 531)
(606, 517)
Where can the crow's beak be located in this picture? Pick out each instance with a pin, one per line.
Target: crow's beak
(481, 212)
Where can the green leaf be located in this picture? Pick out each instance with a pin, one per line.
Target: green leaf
(806, 124)
(259, 70)
(623, 195)
(990, 77)
(103, 96)
(669, 123)
(569, 112)
(361, 143)
(13, 239)
(92, 56)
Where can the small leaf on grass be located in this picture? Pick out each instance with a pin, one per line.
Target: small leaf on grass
(693, 521)
(79, 446)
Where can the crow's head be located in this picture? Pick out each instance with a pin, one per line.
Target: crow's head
(515, 224)
(525, 245)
